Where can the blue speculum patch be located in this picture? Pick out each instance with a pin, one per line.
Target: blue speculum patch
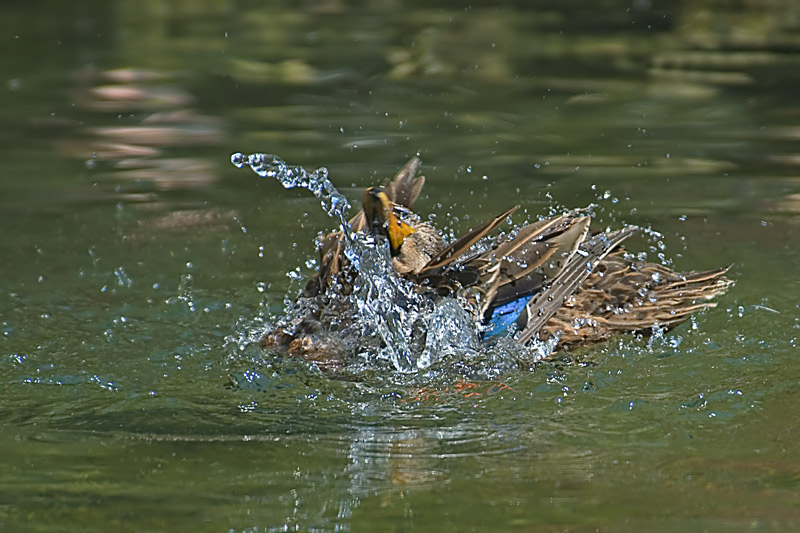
(505, 315)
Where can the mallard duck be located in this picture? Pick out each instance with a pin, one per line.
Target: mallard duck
(548, 280)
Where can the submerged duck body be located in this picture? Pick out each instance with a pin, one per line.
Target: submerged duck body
(548, 280)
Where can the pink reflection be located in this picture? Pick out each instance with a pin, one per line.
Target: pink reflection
(141, 116)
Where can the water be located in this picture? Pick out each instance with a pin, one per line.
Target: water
(270, 166)
(389, 312)
(392, 320)
(133, 289)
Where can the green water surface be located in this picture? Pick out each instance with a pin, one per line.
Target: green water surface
(137, 263)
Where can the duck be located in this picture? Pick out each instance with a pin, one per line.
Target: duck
(550, 280)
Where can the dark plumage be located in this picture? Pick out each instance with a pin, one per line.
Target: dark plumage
(546, 277)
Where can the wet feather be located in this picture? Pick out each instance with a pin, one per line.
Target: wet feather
(549, 277)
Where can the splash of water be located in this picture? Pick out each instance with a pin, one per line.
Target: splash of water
(270, 166)
(387, 304)
(412, 331)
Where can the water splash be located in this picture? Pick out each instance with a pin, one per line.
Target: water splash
(414, 331)
(270, 166)
(392, 320)
(387, 305)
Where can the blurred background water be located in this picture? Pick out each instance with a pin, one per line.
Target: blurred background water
(137, 262)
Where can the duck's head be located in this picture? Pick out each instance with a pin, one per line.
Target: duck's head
(382, 217)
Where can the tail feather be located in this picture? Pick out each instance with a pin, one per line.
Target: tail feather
(622, 296)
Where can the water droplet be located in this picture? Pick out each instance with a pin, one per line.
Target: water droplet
(270, 166)
(123, 280)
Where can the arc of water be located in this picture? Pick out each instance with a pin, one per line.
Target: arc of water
(270, 166)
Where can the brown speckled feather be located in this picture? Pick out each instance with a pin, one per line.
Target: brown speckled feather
(578, 268)
(582, 287)
(627, 296)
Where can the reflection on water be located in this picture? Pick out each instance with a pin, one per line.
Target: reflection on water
(152, 117)
(133, 394)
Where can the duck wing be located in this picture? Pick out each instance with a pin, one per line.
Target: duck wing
(500, 281)
(405, 187)
(578, 267)
(462, 245)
